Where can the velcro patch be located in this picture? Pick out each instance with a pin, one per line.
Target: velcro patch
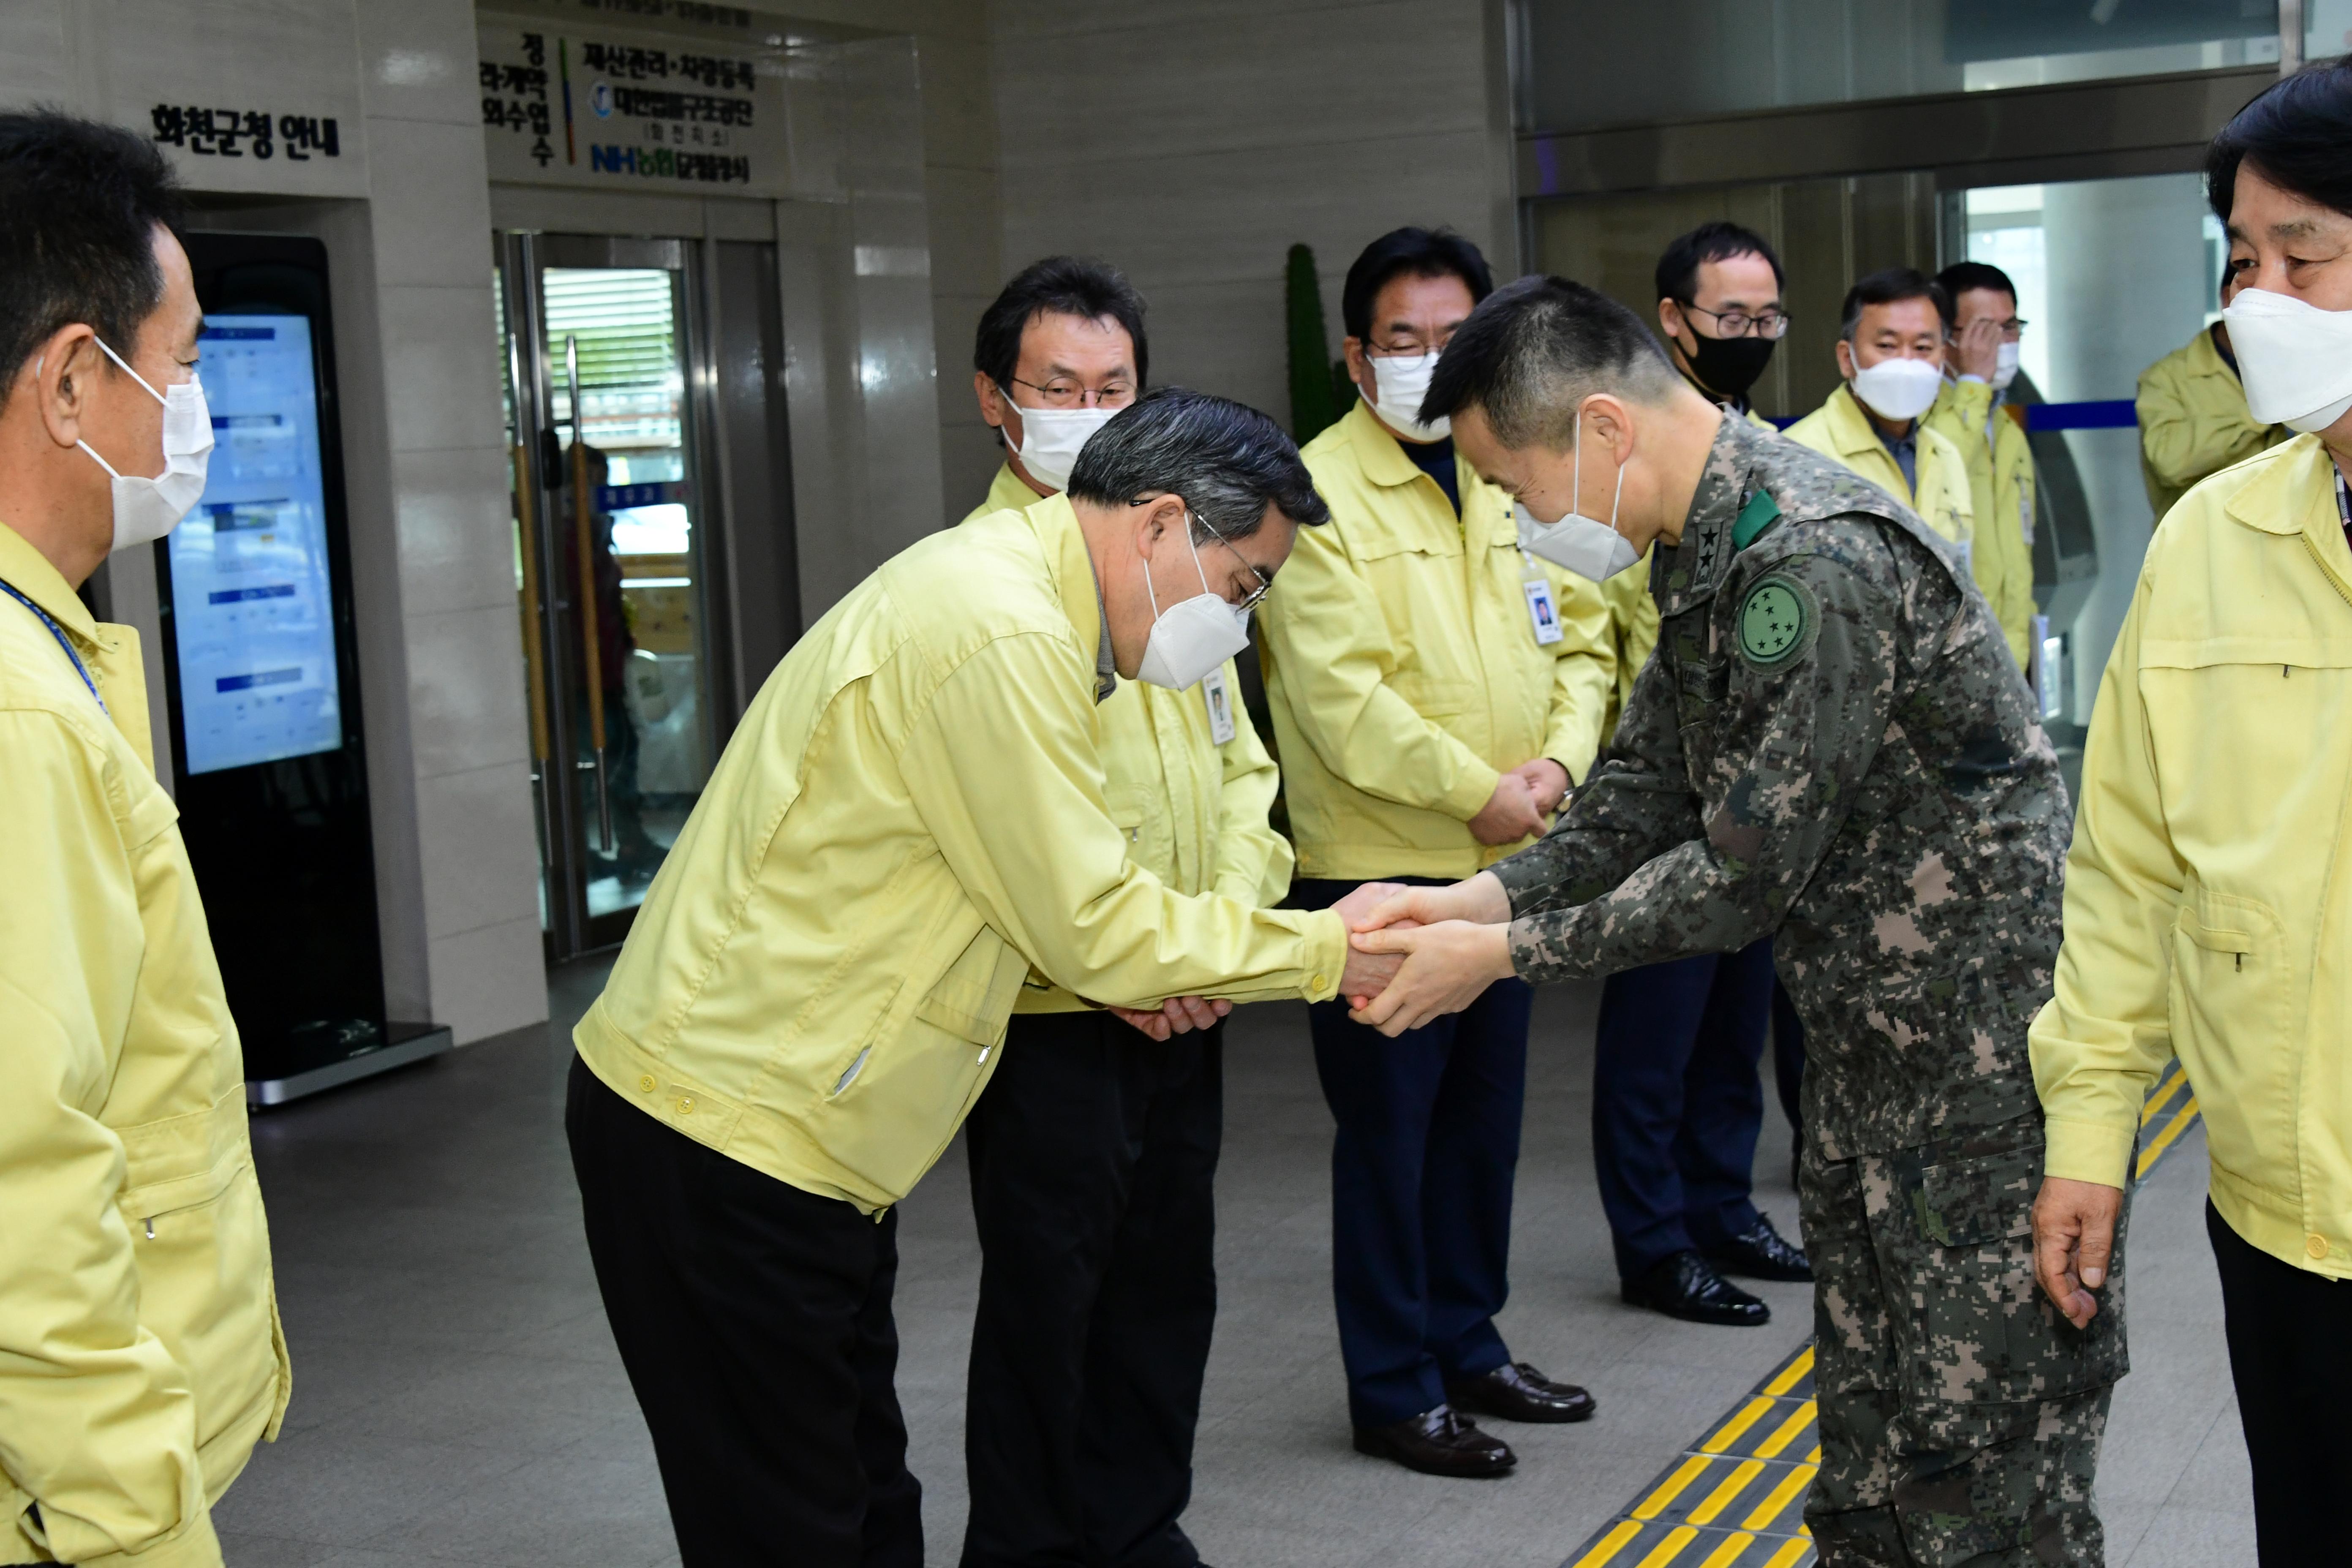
(1776, 622)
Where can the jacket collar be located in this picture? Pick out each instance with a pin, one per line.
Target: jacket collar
(1377, 452)
(1693, 569)
(2294, 493)
(1072, 570)
(29, 571)
(1007, 492)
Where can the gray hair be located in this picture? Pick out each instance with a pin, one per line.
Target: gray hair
(1228, 462)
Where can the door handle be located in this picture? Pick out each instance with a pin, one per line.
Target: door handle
(591, 655)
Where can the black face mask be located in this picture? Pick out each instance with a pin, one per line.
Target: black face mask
(1729, 366)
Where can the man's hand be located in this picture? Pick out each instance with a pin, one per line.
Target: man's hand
(1367, 976)
(1177, 1016)
(1547, 782)
(1509, 814)
(1977, 349)
(1447, 966)
(2073, 1236)
(1481, 900)
(1367, 898)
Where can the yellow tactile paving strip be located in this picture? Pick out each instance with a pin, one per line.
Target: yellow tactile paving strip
(1737, 1499)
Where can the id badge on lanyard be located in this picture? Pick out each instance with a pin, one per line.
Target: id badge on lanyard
(1220, 700)
(1541, 610)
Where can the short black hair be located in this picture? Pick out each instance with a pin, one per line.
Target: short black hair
(79, 203)
(1717, 241)
(1226, 459)
(1892, 285)
(1057, 286)
(1962, 275)
(2296, 133)
(1532, 353)
(1409, 253)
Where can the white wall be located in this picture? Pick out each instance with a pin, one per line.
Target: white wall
(1191, 143)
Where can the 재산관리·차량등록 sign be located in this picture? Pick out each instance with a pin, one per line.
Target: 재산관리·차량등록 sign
(631, 111)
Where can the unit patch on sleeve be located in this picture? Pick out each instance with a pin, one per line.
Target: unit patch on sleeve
(1776, 622)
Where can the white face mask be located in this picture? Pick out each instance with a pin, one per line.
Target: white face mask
(1584, 545)
(2295, 359)
(1051, 438)
(1899, 388)
(1196, 634)
(144, 509)
(1402, 382)
(2004, 366)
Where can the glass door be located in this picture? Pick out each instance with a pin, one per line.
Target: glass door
(614, 564)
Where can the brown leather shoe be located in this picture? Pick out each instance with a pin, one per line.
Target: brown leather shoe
(1439, 1442)
(1517, 1392)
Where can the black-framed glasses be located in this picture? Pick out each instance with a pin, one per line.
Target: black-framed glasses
(1769, 323)
(1070, 394)
(2011, 331)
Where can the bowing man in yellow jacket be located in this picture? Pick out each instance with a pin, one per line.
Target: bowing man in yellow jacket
(140, 1360)
(2192, 413)
(909, 824)
(1434, 692)
(1981, 361)
(1891, 352)
(1094, 1151)
(2208, 890)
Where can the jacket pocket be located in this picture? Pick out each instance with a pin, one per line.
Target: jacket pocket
(1433, 696)
(897, 1099)
(1985, 1331)
(1145, 829)
(2230, 1001)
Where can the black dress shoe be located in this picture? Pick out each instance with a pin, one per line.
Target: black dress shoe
(1761, 1253)
(1517, 1392)
(1686, 1285)
(1439, 1442)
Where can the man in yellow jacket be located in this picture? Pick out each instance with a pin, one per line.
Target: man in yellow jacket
(909, 824)
(140, 1358)
(1890, 351)
(2208, 888)
(2192, 412)
(1981, 362)
(1094, 1151)
(1434, 692)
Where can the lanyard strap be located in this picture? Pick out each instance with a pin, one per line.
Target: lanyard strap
(58, 632)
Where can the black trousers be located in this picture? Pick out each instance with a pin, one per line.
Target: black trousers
(1676, 1104)
(1094, 1162)
(754, 1320)
(1424, 1154)
(2290, 1356)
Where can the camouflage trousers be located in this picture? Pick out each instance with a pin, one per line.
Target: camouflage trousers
(1960, 1416)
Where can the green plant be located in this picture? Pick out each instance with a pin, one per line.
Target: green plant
(1320, 391)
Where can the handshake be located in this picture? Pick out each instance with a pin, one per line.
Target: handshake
(1417, 953)
(1414, 954)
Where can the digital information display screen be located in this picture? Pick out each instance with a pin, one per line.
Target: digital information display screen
(250, 605)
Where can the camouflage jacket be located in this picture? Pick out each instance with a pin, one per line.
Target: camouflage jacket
(1832, 746)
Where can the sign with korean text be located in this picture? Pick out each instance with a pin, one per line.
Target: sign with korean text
(625, 111)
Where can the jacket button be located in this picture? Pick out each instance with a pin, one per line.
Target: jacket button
(645, 1084)
(686, 1105)
(2316, 1244)
(1317, 981)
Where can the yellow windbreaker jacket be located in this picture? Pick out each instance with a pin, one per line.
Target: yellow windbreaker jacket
(908, 821)
(1193, 810)
(1402, 668)
(1840, 429)
(2209, 892)
(2001, 497)
(2193, 421)
(140, 1354)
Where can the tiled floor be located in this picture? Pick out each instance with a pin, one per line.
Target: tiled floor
(456, 1397)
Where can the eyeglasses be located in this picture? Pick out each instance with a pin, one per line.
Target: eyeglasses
(1264, 583)
(1060, 394)
(2012, 330)
(1408, 348)
(1767, 322)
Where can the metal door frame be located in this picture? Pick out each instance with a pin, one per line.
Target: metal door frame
(522, 257)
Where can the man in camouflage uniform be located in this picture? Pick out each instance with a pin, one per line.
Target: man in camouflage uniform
(1830, 747)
